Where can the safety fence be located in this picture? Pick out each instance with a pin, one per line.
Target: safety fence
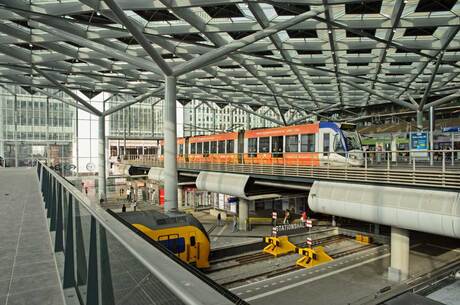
(414, 171)
(103, 262)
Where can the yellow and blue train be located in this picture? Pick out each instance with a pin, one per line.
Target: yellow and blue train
(182, 234)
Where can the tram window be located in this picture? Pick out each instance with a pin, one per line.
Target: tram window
(252, 147)
(307, 143)
(199, 148)
(326, 142)
(230, 146)
(221, 147)
(205, 148)
(162, 149)
(192, 241)
(338, 145)
(277, 144)
(181, 149)
(292, 143)
(192, 148)
(264, 145)
(214, 147)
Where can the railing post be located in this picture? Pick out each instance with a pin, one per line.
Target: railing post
(53, 207)
(99, 283)
(366, 155)
(69, 260)
(59, 238)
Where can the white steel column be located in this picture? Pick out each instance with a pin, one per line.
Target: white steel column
(170, 146)
(102, 186)
(399, 267)
(180, 198)
(243, 214)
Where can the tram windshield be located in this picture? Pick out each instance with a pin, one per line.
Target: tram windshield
(352, 140)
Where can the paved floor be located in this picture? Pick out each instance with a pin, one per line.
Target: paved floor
(28, 273)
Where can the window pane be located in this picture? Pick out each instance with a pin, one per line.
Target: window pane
(277, 144)
(206, 148)
(221, 147)
(192, 148)
(252, 145)
(230, 146)
(326, 142)
(199, 148)
(264, 145)
(307, 143)
(181, 149)
(213, 147)
(292, 143)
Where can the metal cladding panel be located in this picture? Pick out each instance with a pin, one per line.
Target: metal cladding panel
(430, 211)
(223, 183)
(156, 174)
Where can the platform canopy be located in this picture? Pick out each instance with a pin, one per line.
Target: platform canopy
(310, 55)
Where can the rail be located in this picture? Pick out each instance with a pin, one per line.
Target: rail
(386, 167)
(102, 262)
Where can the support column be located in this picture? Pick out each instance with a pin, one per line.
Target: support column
(431, 134)
(170, 151)
(243, 214)
(399, 268)
(180, 198)
(102, 187)
(419, 120)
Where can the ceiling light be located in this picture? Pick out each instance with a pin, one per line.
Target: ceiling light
(30, 45)
(330, 32)
(98, 13)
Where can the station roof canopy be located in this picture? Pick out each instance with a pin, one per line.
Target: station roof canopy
(302, 54)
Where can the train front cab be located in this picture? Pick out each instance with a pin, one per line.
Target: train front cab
(187, 242)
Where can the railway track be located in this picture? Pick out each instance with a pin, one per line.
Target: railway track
(261, 256)
(269, 274)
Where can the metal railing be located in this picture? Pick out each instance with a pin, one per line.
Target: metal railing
(386, 167)
(102, 262)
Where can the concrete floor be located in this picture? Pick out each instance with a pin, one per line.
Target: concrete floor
(28, 272)
(345, 280)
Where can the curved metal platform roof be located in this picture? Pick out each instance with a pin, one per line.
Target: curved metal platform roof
(312, 56)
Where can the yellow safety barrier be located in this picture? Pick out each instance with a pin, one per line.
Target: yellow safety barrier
(363, 239)
(278, 246)
(312, 257)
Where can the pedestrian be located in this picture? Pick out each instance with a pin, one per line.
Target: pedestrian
(86, 190)
(134, 206)
(101, 201)
(128, 194)
(123, 208)
(235, 223)
(274, 216)
(286, 217)
(303, 218)
(219, 220)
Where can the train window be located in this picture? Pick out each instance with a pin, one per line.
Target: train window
(199, 148)
(264, 145)
(221, 147)
(192, 241)
(192, 148)
(162, 149)
(326, 142)
(292, 143)
(307, 143)
(252, 147)
(214, 147)
(277, 144)
(230, 146)
(175, 245)
(181, 149)
(205, 148)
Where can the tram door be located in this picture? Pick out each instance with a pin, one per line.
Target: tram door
(240, 146)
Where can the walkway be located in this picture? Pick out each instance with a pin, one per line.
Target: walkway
(28, 272)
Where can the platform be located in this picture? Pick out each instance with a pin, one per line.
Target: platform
(28, 272)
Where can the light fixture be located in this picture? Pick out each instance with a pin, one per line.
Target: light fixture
(30, 45)
(98, 13)
(330, 32)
